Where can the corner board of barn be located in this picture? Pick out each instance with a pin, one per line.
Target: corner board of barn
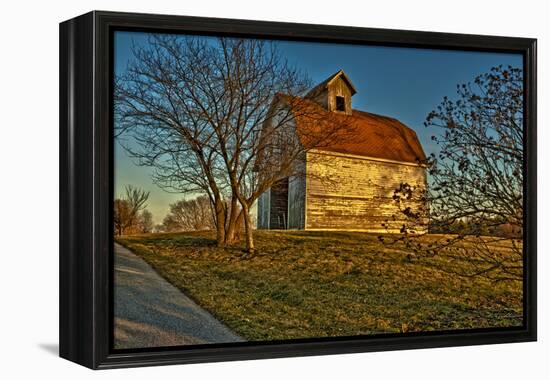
(350, 184)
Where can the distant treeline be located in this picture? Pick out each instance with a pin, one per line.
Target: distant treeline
(460, 227)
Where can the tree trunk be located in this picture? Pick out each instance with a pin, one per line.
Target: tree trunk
(239, 225)
(233, 234)
(248, 229)
(220, 222)
(232, 227)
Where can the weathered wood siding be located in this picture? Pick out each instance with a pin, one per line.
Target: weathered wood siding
(296, 202)
(339, 88)
(327, 98)
(297, 195)
(321, 99)
(278, 211)
(352, 193)
(263, 210)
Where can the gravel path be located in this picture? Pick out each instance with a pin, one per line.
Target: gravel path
(150, 312)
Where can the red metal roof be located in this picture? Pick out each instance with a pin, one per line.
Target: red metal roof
(361, 133)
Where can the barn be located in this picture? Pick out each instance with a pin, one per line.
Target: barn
(349, 183)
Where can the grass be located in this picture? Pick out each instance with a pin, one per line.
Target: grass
(319, 284)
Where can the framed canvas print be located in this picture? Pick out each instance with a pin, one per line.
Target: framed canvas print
(236, 189)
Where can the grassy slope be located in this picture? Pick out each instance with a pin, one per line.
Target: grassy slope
(316, 284)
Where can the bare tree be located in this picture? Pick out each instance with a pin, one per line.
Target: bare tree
(476, 181)
(190, 215)
(145, 222)
(121, 216)
(127, 208)
(202, 114)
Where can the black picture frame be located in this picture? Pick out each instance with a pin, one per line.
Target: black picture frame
(86, 155)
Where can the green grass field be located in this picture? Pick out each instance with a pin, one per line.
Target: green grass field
(319, 284)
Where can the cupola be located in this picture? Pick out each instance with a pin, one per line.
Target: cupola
(334, 93)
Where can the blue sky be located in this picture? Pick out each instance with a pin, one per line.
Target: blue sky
(404, 83)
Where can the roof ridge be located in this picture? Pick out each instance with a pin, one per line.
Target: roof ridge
(376, 115)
